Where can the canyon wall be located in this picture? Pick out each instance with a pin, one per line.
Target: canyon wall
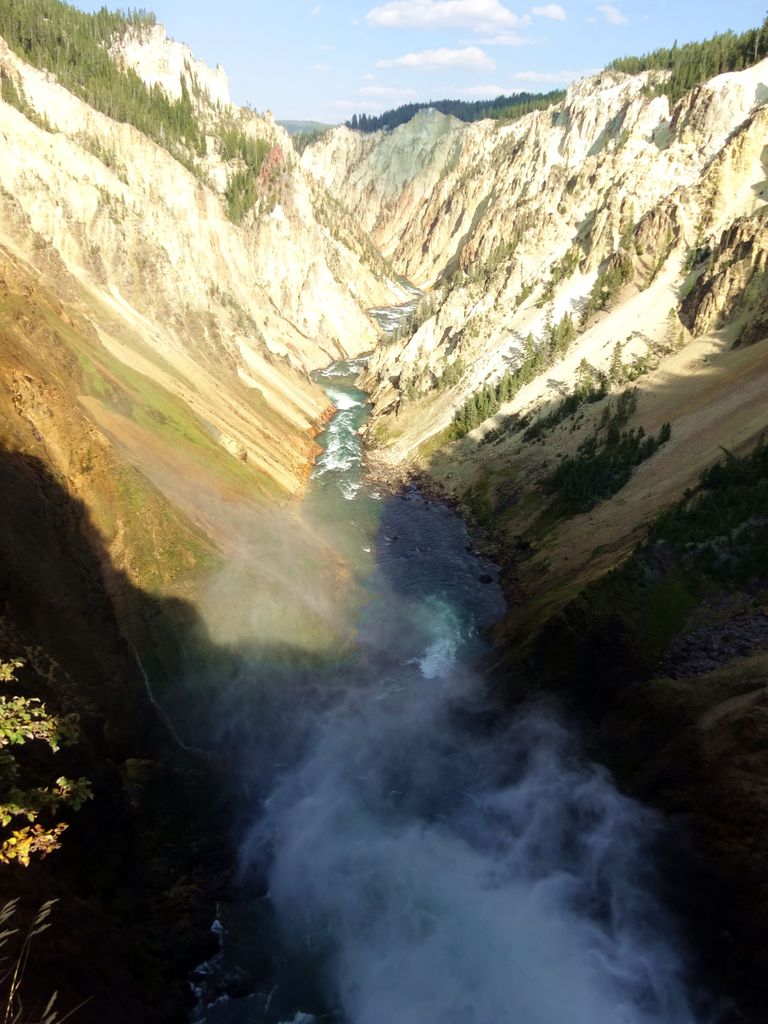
(156, 415)
(586, 377)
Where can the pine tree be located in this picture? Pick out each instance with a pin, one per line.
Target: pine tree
(616, 369)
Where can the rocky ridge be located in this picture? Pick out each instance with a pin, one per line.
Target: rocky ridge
(159, 60)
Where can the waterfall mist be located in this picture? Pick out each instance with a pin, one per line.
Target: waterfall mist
(434, 873)
(427, 859)
(430, 866)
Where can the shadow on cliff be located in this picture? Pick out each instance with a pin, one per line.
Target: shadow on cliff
(142, 863)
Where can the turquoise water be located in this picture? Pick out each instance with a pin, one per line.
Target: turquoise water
(336, 501)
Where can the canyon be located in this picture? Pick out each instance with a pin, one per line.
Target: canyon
(588, 276)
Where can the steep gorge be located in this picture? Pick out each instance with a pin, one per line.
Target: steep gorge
(157, 415)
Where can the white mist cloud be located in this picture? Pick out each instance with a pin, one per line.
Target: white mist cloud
(479, 15)
(470, 57)
(612, 14)
(429, 860)
(552, 11)
(451, 879)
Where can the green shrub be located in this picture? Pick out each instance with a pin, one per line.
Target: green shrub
(487, 401)
(605, 461)
(13, 964)
(729, 493)
(591, 386)
(608, 285)
(23, 798)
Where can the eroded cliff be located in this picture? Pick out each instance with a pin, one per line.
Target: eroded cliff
(591, 343)
(227, 317)
(592, 336)
(162, 304)
(629, 229)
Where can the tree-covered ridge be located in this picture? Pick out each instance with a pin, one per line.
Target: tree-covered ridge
(534, 359)
(57, 37)
(242, 189)
(29, 802)
(503, 108)
(694, 63)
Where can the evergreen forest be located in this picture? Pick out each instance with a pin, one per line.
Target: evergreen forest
(689, 64)
(503, 108)
(74, 45)
(694, 63)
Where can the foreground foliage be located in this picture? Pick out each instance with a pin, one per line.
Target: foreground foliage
(14, 964)
(25, 722)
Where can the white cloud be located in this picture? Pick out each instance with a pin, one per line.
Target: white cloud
(552, 11)
(315, 11)
(507, 39)
(471, 57)
(320, 67)
(550, 77)
(354, 106)
(612, 14)
(387, 92)
(480, 15)
(489, 92)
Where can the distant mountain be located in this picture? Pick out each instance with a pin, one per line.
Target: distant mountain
(305, 127)
(502, 108)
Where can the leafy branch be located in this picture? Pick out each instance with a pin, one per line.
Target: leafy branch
(23, 721)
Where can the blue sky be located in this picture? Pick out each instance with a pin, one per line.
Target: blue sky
(325, 60)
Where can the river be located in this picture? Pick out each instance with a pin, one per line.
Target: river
(428, 861)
